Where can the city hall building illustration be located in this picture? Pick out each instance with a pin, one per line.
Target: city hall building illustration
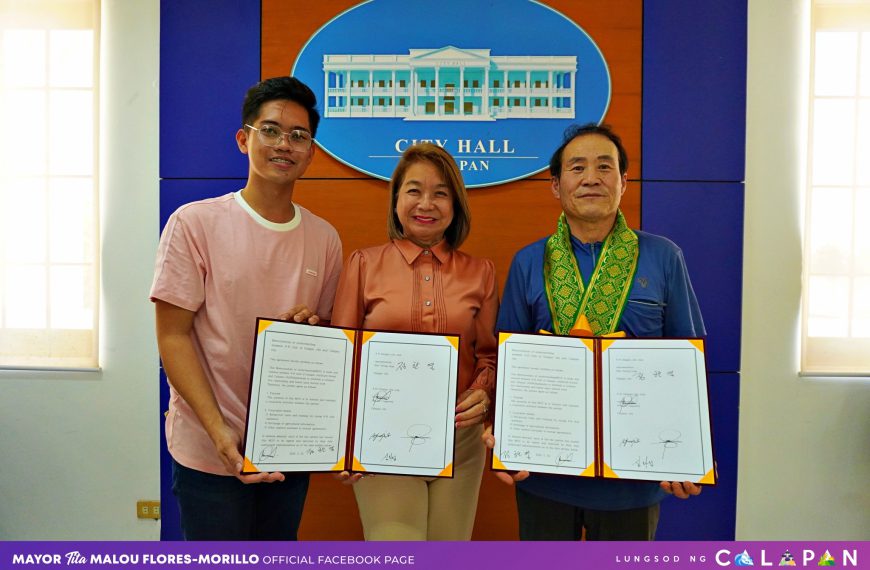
(449, 84)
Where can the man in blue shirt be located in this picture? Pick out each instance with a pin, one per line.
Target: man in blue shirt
(596, 271)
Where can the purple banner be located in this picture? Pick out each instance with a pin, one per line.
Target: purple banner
(432, 555)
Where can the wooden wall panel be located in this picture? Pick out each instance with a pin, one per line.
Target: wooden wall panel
(504, 218)
(614, 26)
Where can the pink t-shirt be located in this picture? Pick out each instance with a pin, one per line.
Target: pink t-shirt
(222, 260)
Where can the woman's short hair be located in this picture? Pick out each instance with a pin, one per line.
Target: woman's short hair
(458, 229)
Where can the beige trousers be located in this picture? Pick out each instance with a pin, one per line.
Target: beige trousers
(425, 508)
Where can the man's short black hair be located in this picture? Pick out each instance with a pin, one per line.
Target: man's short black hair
(276, 88)
(575, 131)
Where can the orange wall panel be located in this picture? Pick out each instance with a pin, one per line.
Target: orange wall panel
(504, 217)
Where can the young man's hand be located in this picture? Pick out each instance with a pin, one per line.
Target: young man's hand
(300, 314)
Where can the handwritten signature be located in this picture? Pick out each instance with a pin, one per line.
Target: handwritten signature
(626, 402)
(268, 452)
(565, 458)
(516, 454)
(382, 396)
(378, 437)
(418, 434)
(644, 462)
(669, 439)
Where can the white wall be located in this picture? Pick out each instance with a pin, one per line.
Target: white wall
(78, 450)
(804, 443)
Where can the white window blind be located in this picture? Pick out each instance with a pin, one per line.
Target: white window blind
(49, 273)
(836, 293)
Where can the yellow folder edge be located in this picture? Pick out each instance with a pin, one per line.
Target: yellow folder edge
(710, 478)
(350, 334)
(338, 466)
(503, 336)
(590, 343)
(582, 324)
(263, 325)
(605, 344)
(250, 466)
(608, 472)
(367, 335)
(589, 471)
(454, 340)
(357, 466)
(699, 344)
(496, 462)
(447, 471)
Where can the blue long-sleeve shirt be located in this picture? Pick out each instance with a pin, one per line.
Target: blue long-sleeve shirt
(661, 303)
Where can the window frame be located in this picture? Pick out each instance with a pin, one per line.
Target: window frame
(831, 356)
(48, 16)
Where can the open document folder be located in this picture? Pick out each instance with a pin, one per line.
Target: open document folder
(628, 408)
(331, 399)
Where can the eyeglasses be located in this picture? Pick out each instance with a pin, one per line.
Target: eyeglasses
(270, 135)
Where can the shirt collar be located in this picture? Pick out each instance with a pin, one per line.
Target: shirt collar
(575, 241)
(411, 251)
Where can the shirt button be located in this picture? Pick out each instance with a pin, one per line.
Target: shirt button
(427, 278)
(425, 252)
(428, 303)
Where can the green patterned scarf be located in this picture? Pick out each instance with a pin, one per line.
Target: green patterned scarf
(603, 300)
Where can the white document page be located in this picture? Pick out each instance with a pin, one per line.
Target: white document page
(300, 397)
(406, 404)
(544, 419)
(655, 410)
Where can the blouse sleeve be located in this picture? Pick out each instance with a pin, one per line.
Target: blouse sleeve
(485, 344)
(349, 308)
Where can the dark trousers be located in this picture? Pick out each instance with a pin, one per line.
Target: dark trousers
(215, 507)
(543, 519)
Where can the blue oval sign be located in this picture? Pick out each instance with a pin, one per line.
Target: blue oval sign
(494, 83)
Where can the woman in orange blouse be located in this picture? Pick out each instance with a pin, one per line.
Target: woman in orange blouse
(419, 281)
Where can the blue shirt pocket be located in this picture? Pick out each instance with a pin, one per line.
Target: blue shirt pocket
(643, 318)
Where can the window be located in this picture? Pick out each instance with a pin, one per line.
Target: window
(49, 239)
(836, 294)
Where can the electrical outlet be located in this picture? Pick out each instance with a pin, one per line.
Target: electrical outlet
(148, 509)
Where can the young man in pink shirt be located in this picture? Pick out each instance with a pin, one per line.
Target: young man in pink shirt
(221, 263)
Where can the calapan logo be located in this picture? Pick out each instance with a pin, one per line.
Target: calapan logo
(806, 557)
(494, 83)
(743, 559)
